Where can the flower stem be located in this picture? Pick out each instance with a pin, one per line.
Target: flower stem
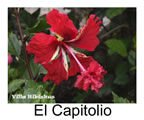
(78, 62)
(23, 43)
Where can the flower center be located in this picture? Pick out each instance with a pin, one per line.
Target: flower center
(59, 38)
(78, 62)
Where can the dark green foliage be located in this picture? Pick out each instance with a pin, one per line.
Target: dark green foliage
(117, 99)
(112, 12)
(14, 85)
(40, 26)
(27, 18)
(117, 46)
(14, 45)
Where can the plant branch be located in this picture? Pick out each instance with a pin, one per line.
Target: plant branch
(23, 43)
(114, 29)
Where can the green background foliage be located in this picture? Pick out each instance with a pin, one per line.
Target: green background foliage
(116, 52)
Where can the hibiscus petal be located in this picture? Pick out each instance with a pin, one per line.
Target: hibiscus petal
(79, 82)
(57, 69)
(83, 59)
(83, 81)
(86, 85)
(43, 46)
(87, 39)
(61, 25)
(92, 77)
(93, 88)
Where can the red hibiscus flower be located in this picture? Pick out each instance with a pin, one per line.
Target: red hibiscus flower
(92, 76)
(52, 52)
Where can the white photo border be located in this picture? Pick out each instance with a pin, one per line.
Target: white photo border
(26, 111)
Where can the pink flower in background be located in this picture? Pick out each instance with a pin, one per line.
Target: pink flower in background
(10, 59)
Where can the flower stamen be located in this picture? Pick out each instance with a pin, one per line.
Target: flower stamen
(78, 62)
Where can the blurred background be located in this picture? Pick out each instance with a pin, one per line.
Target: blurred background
(116, 53)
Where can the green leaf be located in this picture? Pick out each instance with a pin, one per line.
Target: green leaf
(34, 89)
(29, 19)
(30, 84)
(29, 92)
(17, 100)
(44, 100)
(12, 73)
(121, 79)
(112, 12)
(47, 100)
(111, 52)
(42, 70)
(132, 57)
(117, 99)
(133, 68)
(15, 85)
(121, 73)
(30, 88)
(122, 68)
(34, 67)
(106, 89)
(52, 89)
(40, 26)
(117, 46)
(14, 45)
